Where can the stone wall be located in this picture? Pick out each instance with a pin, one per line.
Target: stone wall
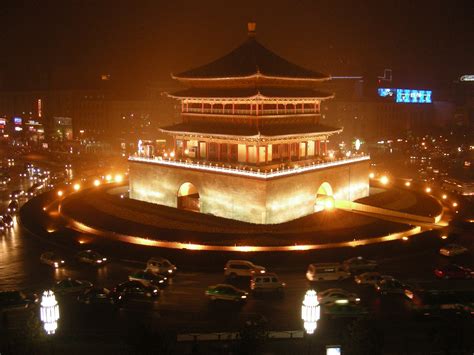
(248, 199)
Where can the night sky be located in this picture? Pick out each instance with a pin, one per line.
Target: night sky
(426, 43)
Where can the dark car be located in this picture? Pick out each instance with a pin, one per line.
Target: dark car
(71, 286)
(453, 271)
(149, 278)
(11, 300)
(359, 264)
(91, 257)
(390, 286)
(13, 207)
(16, 194)
(95, 295)
(441, 304)
(134, 290)
(7, 221)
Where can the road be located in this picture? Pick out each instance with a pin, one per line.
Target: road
(182, 306)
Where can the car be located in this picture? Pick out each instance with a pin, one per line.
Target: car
(242, 268)
(370, 278)
(159, 265)
(344, 310)
(33, 189)
(359, 264)
(95, 295)
(453, 250)
(52, 259)
(7, 220)
(453, 271)
(326, 272)
(90, 257)
(149, 278)
(442, 303)
(12, 300)
(24, 174)
(268, 282)
(71, 286)
(134, 290)
(390, 286)
(337, 295)
(16, 194)
(13, 206)
(225, 292)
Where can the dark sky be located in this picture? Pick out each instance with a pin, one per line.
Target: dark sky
(424, 42)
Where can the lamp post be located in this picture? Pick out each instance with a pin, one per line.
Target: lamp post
(310, 314)
(310, 311)
(49, 312)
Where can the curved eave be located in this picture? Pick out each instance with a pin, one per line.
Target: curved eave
(257, 136)
(258, 96)
(252, 76)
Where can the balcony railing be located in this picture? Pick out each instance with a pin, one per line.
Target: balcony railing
(249, 112)
(260, 173)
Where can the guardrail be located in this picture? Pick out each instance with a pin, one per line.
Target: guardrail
(249, 172)
(223, 336)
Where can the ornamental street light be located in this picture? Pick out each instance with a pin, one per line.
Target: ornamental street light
(49, 312)
(310, 311)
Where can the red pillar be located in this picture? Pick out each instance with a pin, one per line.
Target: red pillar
(228, 152)
(266, 154)
(318, 147)
(246, 153)
(207, 150)
(218, 151)
(325, 147)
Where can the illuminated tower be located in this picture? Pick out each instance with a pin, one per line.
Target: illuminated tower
(250, 142)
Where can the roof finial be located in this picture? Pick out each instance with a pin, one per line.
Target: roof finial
(252, 28)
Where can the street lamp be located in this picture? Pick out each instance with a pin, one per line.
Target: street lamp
(310, 311)
(49, 312)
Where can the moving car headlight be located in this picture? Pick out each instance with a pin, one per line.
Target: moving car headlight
(262, 271)
(56, 264)
(243, 296)
(99, 261)
(155, 291)
(170, 271)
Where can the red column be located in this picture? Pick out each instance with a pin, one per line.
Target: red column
(258, 154)
(266, 154)
(202, 107)
(198, 151)
(218, 151)
(228, 152)
(207, 150)
(325, 147)
(318, 147)
(246, 153)
(289, 151)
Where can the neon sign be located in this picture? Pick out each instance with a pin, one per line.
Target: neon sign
(407, 96)
(468, 77)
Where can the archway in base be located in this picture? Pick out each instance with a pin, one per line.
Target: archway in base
(188, 197)
(324, 198)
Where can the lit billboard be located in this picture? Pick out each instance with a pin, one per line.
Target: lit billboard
(407, 96)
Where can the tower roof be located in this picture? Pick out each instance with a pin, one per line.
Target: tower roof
(251, 59)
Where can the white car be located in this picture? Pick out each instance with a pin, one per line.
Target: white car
(338, 296)
(242, 268)
(453, 249)
(268, 282)
(370, 278)
(159, 265)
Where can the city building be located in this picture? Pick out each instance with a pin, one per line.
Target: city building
(250, 146)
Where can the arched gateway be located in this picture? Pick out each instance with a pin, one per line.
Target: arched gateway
(188, 197)
(324, 198)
